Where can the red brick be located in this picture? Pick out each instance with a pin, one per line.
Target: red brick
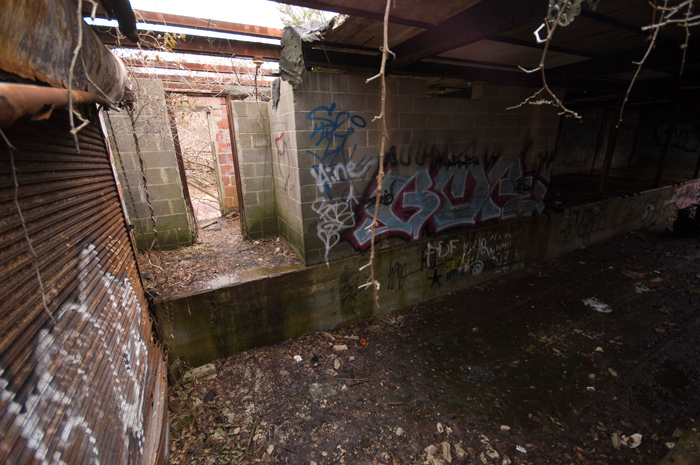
(228, 201)
(230, 191)
(222, 123)
(225, 147)
(223, 159)
(226, 180)
(226, 169)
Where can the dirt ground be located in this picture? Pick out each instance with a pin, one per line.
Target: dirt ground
(220, 251)
(516, 371)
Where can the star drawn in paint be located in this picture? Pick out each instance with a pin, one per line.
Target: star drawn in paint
(436, 279)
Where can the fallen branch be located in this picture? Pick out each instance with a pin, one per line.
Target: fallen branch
(373, 282)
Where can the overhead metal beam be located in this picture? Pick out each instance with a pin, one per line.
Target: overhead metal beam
(198, 45)
(195, 66)
(662, 58)
(484, 20)
(533, 44)
(207, 24)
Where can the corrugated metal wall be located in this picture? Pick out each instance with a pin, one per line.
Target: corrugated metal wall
(81, 380)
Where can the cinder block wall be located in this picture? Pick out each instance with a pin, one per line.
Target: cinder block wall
(450, 162)
(160, 198)
(252, 132)
(283, 139)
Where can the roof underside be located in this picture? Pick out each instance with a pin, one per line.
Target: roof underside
(487, 40)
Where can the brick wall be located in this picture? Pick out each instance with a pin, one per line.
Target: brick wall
(451, 162)
(217, 115)
(158, 162)
(252, 129)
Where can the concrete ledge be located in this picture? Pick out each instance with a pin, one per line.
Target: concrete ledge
(271, 306)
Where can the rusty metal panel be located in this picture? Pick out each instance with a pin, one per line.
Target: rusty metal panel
(81, 378)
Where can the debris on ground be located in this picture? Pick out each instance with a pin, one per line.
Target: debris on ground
(429, 389)
(221, 250)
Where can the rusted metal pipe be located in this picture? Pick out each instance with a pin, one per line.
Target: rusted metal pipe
(39, 39)
(37, 102)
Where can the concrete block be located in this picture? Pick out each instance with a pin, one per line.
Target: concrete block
(401, 136)
(153, 143)
(339, 82)
(130, 179)
(260, 140)
(250, 199)
(166, 191)
(322, 82)
(412, 120)
(253, 185)
(438, 121)
(353, 103)
(166, 222)
(408, 86)
(251, 125)
(161, 208)
(505, 121)
(359, 85)
(463, 121)
(427, 105)
(485, 120)
(511, 94)
(400, 104)
(177, 207)
(451, 105)
(253, 155)
(305, 101)
(474, 106)
(269, 227)
(159, 159)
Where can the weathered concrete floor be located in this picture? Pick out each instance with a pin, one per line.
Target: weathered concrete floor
(518, 371)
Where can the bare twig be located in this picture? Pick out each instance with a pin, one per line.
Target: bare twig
(71, 70)
(534, 99)
(666, 17)
(32, 252)
(373, 282)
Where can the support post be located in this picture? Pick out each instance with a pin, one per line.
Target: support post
(667, 145)
(610, 152)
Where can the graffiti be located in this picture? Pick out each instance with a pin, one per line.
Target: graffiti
(685, 136)
(565, 233)
(284, 171)
(433, 157)
(333, 217)
(495, 252)
(449, 197)
(281, 146)
(336, 170)
(397, 275)
(593, 219)
(687, 195)
(49, 416)
(337, 162)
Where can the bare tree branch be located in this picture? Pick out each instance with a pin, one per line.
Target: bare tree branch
(534, 99)
(373, 282)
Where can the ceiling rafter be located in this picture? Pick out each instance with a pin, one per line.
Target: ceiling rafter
(485, 19)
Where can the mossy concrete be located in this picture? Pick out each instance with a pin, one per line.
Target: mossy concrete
(269, 306)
